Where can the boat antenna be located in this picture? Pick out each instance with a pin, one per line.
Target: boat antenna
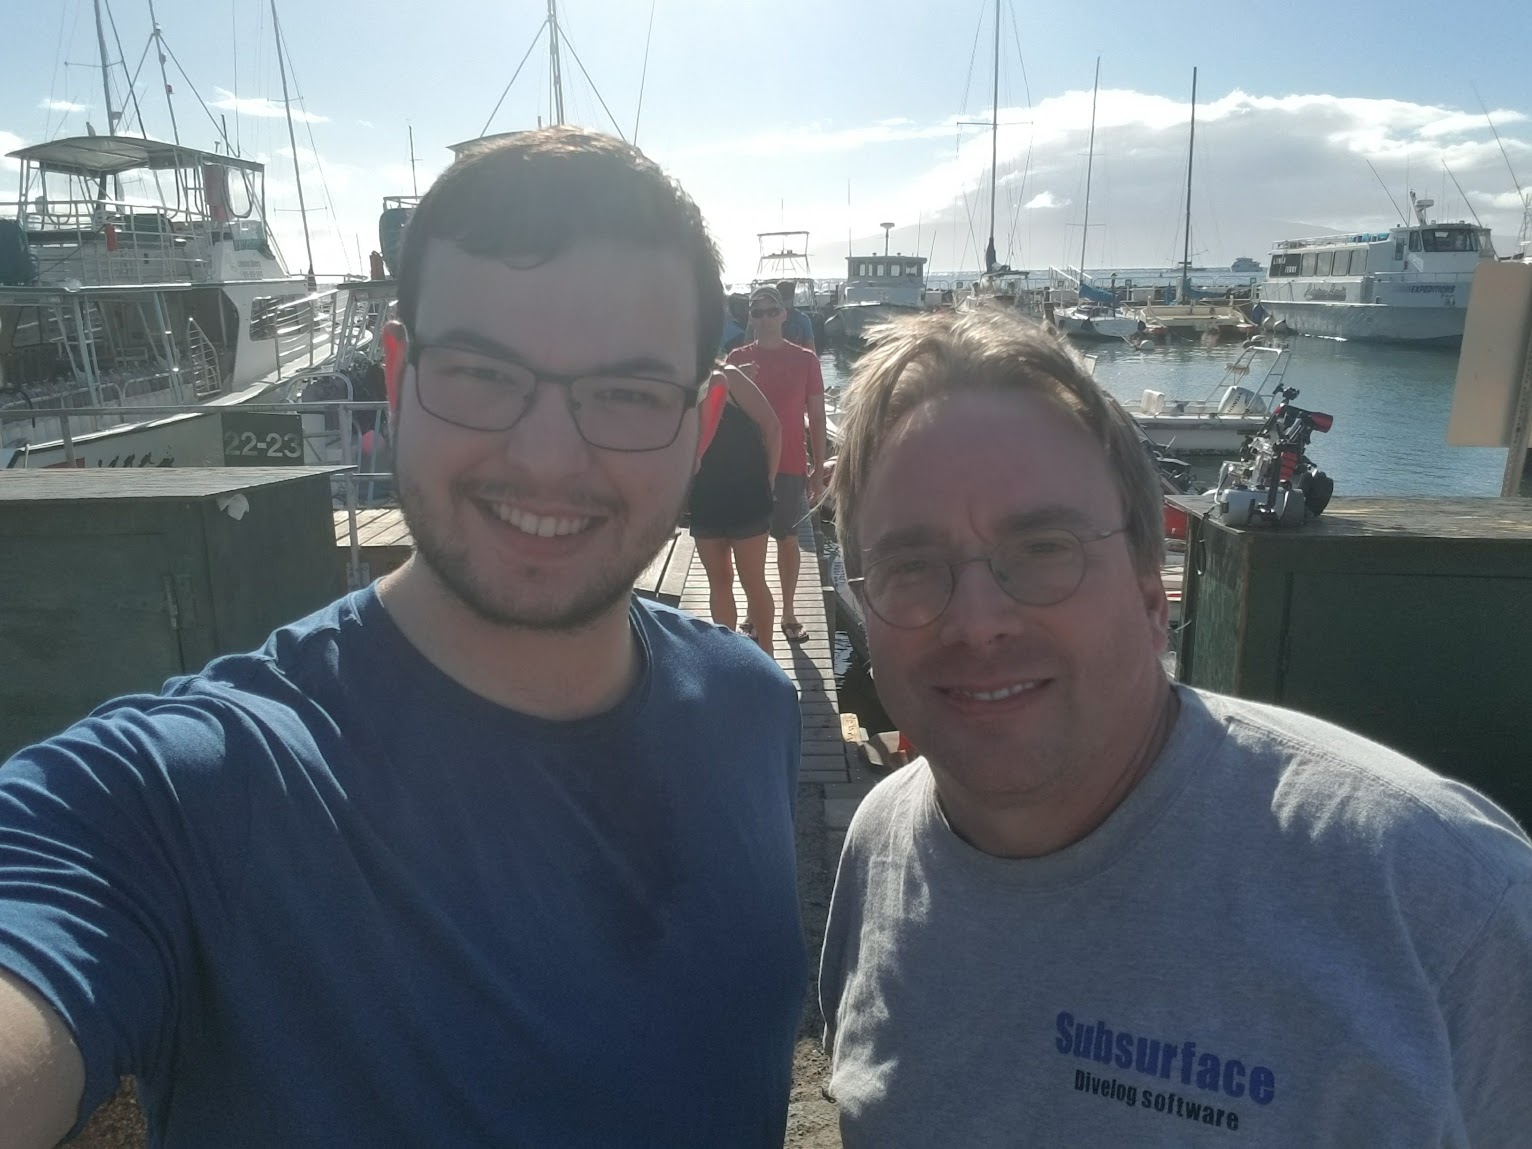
(1462, 193)
(1186, 250)
(994, 149)
(555, 77)
(1498, 141)
(1090, 158)
(292, 140)
(414, 184)
(112, 114)
(159, 50)
(1386, 192)
(644, 76)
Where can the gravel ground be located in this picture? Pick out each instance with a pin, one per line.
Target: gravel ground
(811, 1118)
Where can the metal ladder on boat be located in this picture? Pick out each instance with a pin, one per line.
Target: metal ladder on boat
(201, 362)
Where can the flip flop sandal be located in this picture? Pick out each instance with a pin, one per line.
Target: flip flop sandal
(794, 632)
(748, 630)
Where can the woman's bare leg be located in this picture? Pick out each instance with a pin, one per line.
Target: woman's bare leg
(714, 554)
(750, 562)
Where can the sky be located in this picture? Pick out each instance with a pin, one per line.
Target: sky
(834, 116)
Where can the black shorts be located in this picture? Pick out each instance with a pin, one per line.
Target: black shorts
(733, 533)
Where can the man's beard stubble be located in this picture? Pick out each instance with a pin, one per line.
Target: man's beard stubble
(453, 569)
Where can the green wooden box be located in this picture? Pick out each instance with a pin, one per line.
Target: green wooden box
(115, 580)
(1407, 620)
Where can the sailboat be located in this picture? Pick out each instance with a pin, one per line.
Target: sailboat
(1212, 322)
(1093, 319)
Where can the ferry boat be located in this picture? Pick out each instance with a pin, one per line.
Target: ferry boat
(1244, 265)
(1406, 285)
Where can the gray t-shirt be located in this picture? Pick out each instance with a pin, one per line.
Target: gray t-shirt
(1287, 935)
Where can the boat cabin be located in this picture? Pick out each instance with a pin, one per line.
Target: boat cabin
(1441, 247)
(896, 279)
(120, 210)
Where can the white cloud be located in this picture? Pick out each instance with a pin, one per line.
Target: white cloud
(813, 139)
(262, 106)
(1043, 199)
(9, 142)
(62, 106)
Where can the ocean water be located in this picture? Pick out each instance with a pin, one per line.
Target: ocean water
(1391, 406)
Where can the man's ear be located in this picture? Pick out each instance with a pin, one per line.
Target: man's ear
(709, 412)
(395, 348)
(1157, 607)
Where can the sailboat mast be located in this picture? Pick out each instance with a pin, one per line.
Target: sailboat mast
(1186, 250)
(555, 78)
(106, 75)
(1090, 159)
(159, 50)
(292, 140)
(994, 143)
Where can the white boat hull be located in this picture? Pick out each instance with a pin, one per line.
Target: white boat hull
(1104, 327)
(1183, 435)
(856, 319)
(1370, 322)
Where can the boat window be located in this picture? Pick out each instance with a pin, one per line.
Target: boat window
(1446, 239)
(1342, 262)
(880, 270)
(1414, 241)
(895, 269)
(1284, 265)
(1358, 261)
(1398, 250)
(1308, 263)
(1325, 263)
(861, 271)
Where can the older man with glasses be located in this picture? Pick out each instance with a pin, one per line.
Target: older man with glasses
(488, 853)
(1104, 909)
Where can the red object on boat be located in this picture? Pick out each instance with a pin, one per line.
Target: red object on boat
(1321, 421)
(1175, 522)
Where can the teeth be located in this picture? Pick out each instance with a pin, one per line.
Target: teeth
(543, 526)
(997, 695)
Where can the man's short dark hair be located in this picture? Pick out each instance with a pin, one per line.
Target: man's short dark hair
(787, 289)
(537, 194)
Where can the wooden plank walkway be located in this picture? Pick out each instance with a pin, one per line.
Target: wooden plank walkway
(829, 759)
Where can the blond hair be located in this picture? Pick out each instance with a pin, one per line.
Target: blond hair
(924, 357)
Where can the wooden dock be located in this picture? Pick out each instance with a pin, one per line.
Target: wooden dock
(830, 755)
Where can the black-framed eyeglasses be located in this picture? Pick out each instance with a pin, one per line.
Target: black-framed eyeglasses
(1038, 567)
(765, 312)
(482, 392)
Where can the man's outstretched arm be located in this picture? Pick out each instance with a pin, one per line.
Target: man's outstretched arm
(42, 1076)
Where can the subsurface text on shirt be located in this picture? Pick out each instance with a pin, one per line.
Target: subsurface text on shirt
(1162, 1057)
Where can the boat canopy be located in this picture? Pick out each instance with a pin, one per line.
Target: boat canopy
(113, 155)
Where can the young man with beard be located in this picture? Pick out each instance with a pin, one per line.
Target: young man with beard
(489, 853)
(1104, 909)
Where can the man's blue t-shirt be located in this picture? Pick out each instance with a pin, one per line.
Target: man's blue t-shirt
(322, 894)
(798, 328)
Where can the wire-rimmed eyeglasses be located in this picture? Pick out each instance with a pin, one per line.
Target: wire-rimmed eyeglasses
(1039, 567)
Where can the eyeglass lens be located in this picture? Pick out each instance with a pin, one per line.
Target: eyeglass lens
(1036, 568)
(617, 412)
